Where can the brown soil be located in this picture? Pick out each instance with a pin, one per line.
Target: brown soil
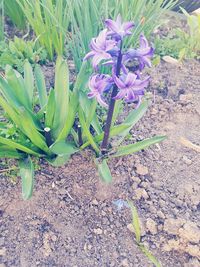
(71, 219)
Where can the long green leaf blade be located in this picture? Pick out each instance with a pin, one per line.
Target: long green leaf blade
(61, 95)
(129, 149)
(133, 117)
(27, 175)
(17, 146)
(104, 171)
(50, 110)
(135, 222)
(29, 80)
(63, 148)
(41, 86)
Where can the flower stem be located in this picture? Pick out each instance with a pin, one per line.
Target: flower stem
(111, 107)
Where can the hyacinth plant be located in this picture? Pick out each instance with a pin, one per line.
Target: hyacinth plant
(113, 84)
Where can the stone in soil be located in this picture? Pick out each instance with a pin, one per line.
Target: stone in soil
(151, 226)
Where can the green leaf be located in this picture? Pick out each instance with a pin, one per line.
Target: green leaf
(27, 175)
(32, 133)
(63, 148)
(61, 95)
(60, 160)
(116, 130)
(41, 86)
(104, 171)
(135, 222)
(10, 111)
(18, 146)
(132, 148)
(149, 255)
(50, 110)
(86, 131)
(73, 105)
(8, 94)
(9, 153)
(89, 108)
(29, 80)
(133, 117)
(17, 86)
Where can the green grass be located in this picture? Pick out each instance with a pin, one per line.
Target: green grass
(49, 20)
(15, 13)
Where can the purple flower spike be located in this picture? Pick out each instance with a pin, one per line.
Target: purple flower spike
(119, 29)
(131, 88)
(144, 53)
(98, 84)
(100, 48)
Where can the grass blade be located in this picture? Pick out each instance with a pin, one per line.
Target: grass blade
(150, 256)
(135, 222)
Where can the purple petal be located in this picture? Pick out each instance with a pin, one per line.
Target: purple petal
(101, 101)
(119, 83)
(143, 41)
(98, 58)
(112, 25)
(101, 39)
(91, 95)
(127, 26)
(119, 20)
(130, 96)
(130, 79)
(120, 95)
(92, 82)
(93, 45)
(139, 85)
(89, 55)
(146, 61)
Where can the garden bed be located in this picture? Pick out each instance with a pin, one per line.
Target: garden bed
(75, 220)
(72, 220)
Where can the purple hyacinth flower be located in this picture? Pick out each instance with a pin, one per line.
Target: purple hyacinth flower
(131, 88)
(98, 84)
(144, 53)
(119, 29)
(100, 48)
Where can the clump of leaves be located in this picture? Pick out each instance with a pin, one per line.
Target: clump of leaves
(182, 44)
(49, 21)
(168, 46)
(17, 51)
(15, 13)
(37, 122)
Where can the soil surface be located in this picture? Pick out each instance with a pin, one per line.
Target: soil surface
(72, 219)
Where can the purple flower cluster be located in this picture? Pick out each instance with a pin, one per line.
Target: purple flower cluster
(106, 49)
